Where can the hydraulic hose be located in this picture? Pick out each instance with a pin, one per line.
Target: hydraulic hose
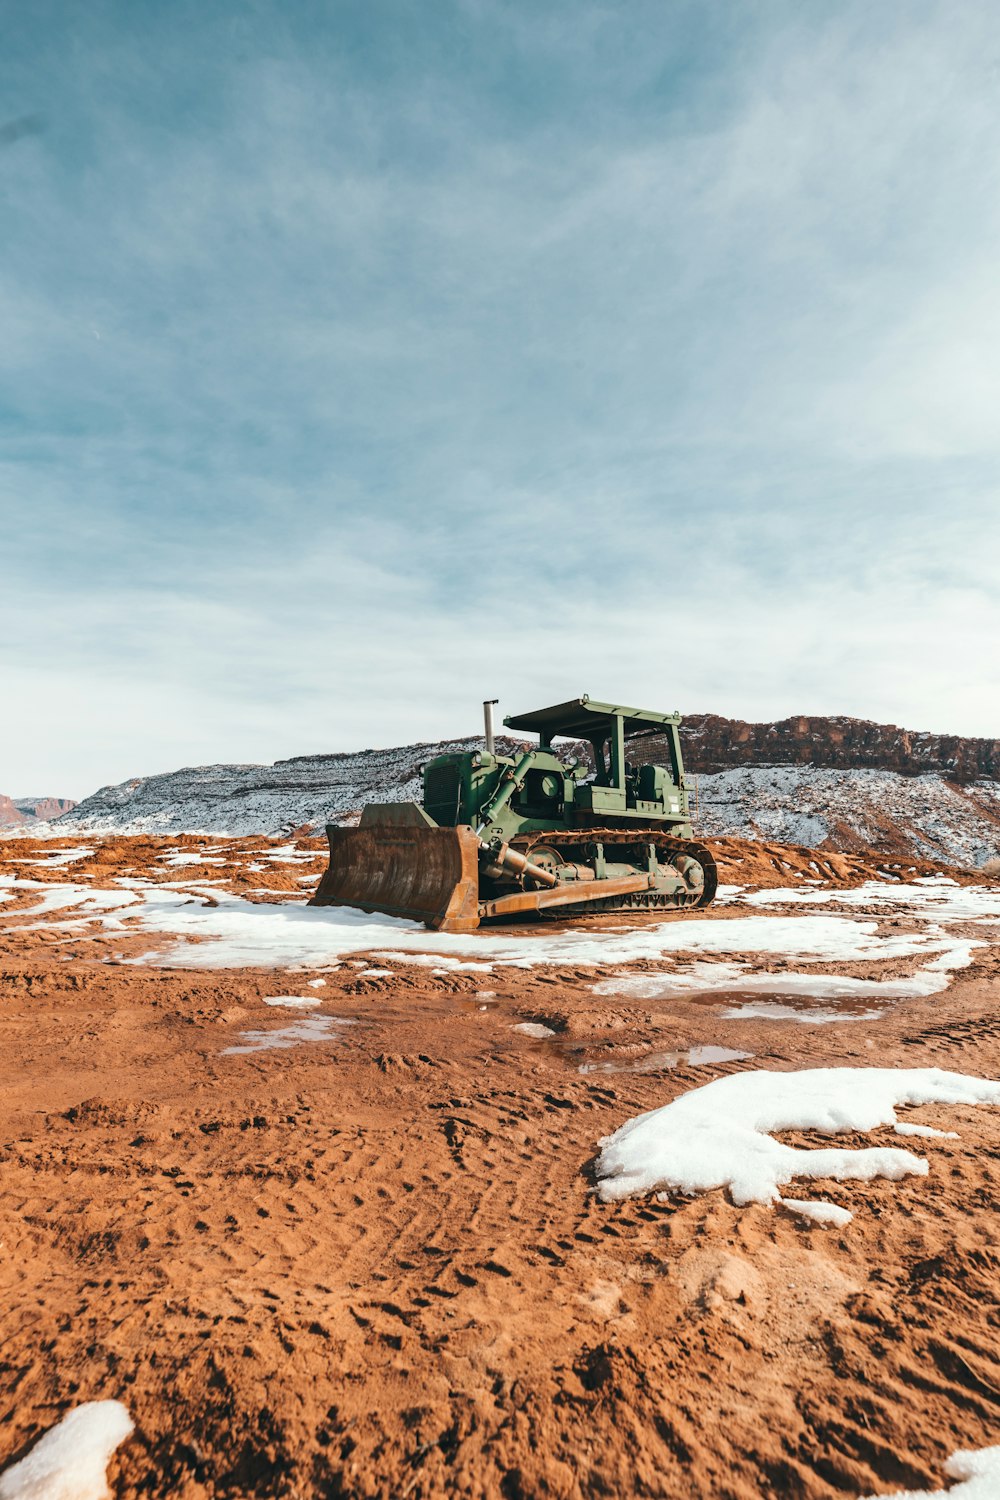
(512, 779)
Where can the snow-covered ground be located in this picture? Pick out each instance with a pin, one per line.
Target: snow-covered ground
(780, 966)
(231, 932)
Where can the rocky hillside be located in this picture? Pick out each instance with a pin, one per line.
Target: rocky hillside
(312, 789)
(18, 811)
(44, 809)
(839, 783)
(926, 817)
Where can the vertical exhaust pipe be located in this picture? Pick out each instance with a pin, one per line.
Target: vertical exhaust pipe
(488, 706)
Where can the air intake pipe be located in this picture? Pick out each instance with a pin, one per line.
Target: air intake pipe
(488, 706)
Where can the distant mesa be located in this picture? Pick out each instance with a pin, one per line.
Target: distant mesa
(15, 811)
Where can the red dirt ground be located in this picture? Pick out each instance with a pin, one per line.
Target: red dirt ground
(375, 1265)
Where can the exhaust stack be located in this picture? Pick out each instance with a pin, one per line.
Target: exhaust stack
(488, 706)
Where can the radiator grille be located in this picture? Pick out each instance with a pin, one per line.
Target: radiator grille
(443, 794)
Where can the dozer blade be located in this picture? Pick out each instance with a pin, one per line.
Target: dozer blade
(430, 874)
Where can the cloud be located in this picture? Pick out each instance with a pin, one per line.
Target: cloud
(350, 362)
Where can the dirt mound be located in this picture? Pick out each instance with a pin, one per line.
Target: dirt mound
(759, 863)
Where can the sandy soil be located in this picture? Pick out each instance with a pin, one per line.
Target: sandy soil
(374, 1265)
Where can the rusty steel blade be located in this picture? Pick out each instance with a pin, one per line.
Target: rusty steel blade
(429, 874)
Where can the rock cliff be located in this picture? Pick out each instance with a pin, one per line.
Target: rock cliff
(16, 812)
(10, 814)
(712, 743)
(44, 809)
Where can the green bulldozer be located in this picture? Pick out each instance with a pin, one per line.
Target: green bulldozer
(499, 836)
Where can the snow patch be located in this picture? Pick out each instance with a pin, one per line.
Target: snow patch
(979, 1473)
(760, 1010)
(70, 1462)
(59, 858)
(656, 1062)
(721, 1135)
(819, 1213)
(291, 854)
(935, 897)
(723, 978)
(178, 857)
(86, 899)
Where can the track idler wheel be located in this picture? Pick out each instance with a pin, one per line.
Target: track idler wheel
(691, 872)
(699, 873)
(547, 859)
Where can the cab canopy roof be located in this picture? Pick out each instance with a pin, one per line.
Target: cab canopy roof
(585, 719)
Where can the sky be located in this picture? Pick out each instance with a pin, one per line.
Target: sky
(363, 360)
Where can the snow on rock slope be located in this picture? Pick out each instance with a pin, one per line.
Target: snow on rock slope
(239, 800)
(924, 816)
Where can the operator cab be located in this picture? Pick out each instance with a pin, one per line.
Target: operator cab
(620, 786)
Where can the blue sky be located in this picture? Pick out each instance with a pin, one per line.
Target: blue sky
(361, 361)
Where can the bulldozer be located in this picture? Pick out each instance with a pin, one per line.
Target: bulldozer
(530, 834)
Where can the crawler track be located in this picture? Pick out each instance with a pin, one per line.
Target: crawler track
(630, 844)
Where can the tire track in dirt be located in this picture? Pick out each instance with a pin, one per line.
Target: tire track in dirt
(377, 1268)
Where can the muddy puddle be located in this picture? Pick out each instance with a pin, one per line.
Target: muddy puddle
(583, 1057)
(780, 1007)
(656, 1062)
(479, 1000)
(308, 1029)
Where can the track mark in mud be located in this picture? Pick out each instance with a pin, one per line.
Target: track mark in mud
(954, 1034)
